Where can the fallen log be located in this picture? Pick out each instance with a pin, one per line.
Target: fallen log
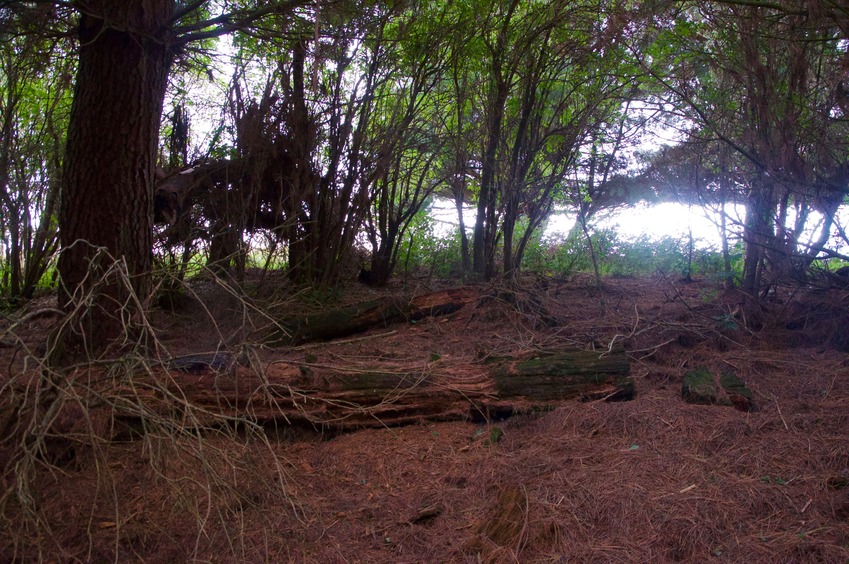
(336, 397)
(362, 316)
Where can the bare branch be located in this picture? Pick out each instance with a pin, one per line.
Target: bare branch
(232, 21)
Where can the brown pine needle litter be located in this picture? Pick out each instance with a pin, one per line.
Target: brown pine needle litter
(654, 479)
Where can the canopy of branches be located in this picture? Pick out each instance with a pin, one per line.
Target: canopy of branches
(315, 135)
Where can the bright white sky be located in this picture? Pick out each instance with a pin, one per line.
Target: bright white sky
(655, 221)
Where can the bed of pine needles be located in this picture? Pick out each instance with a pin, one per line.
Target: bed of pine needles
(652, 479)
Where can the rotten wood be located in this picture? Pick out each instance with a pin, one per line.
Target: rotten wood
(362, 316)
(335, 397)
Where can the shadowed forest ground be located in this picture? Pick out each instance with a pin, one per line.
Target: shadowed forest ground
(652, 479)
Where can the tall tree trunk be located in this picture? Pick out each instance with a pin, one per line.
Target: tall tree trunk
(458, 183)
(108, 176)
(485, 234)
(758, 229)
(508, 227)
(728, 278)
(12, 221)
(461, 227)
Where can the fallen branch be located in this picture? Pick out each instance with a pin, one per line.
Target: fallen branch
(362, 316)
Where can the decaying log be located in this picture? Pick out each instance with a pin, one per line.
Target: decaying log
(700, 387)
(334, 397)
(364, 315)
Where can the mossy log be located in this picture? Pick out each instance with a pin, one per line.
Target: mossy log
(362, 316)
(334, 397)
(700, 387)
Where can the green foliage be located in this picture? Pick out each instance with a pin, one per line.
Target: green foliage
(47, 282)
(618, 257)
(423, 252)
(523, 104)
(668, 255)
(35, 100)
(552, 256)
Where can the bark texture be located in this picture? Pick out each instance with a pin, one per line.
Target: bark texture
(337, 397)
(105, 212)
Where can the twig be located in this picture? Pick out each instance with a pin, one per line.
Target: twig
(346, 341)
(778, 407)
(653, 349)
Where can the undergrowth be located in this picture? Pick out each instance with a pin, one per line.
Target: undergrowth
(57, 422)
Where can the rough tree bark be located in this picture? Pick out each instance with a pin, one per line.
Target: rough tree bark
(108, 176)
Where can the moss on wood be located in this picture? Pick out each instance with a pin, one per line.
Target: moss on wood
(700, 387)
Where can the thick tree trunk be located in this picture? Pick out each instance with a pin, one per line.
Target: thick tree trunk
(383, 260)
(378, 395)
(105, 212)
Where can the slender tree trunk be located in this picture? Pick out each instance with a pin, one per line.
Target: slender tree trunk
(536, 217)
(108, 176)
(464, 238)
(508, 226)
(582, 218)
(724, 193)
(726, 255)
(756, 234)
(13, 218)
(460, 163)
(15, 250)
(828, 211)
(44, 242)
(485, 234)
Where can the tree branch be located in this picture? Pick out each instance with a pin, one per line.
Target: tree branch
(185, 11)
(700, 112)
(766, 5)
(230, 22)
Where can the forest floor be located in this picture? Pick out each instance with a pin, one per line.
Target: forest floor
(648, 480)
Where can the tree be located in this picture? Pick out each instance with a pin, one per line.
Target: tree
(701, 172)
(325, 88)
(340, 139)
(539, 78)
(34, 100)
(765, 80)
(406, 138)
(105, 214)
(596, 185)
